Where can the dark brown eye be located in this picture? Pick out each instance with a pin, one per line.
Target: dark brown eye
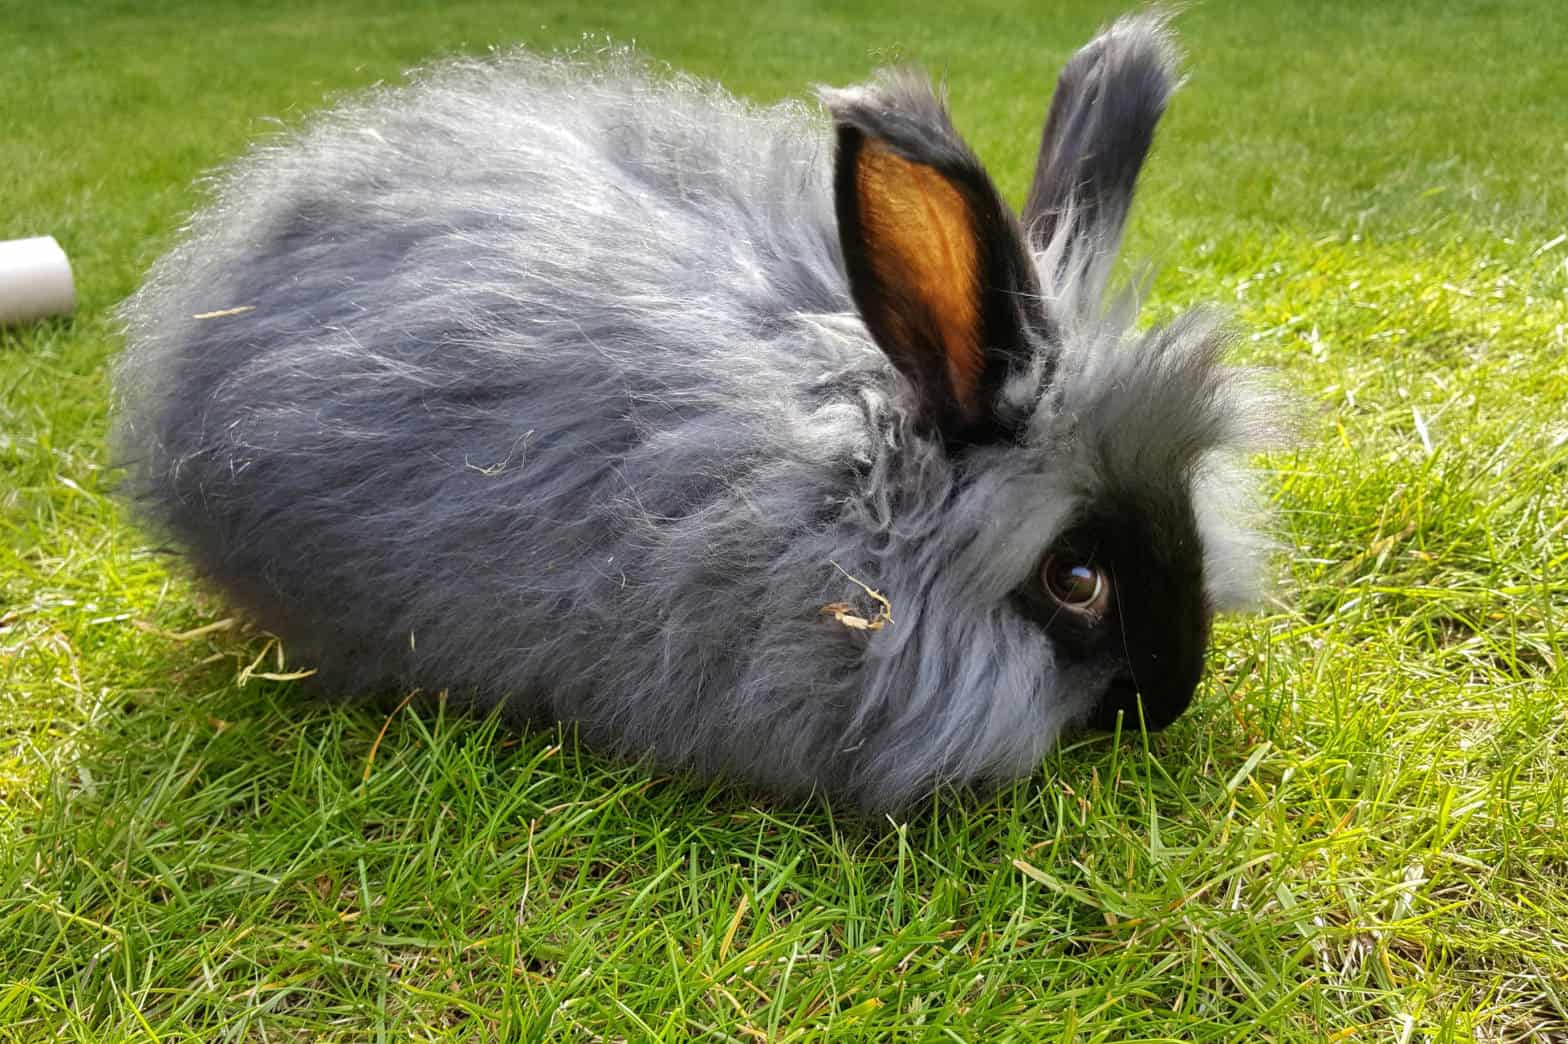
(1078, 586)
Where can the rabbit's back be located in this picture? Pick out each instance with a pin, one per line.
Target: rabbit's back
(500, 198)
(491, 382)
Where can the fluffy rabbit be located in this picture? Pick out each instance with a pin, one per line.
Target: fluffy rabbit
(605, 396)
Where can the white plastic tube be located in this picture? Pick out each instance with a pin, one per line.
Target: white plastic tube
(35, 280)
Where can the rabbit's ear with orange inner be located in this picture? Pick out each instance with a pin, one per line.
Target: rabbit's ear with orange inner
(936, 263)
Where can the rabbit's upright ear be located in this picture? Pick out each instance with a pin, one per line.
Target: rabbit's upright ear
(936, 262)
(1097, 134)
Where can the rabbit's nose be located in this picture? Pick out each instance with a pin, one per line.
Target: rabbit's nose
(1121, 695)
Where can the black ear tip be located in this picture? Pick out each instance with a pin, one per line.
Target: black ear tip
(1143, 42)
(901, 109)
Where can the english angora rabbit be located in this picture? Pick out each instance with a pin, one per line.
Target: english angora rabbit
(766, 449)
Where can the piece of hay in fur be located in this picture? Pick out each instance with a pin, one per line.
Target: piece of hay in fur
(844, 613)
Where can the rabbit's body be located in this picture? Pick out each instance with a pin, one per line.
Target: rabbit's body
(543, 383)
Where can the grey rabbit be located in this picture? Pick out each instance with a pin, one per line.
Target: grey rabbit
(765, 447)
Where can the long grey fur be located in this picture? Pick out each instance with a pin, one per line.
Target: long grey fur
(548, 391)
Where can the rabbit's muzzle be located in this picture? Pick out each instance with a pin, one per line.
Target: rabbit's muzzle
(1157, 708)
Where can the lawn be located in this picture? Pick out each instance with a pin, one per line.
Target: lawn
(1356, 834)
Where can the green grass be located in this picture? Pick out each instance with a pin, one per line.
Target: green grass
(1357, 833)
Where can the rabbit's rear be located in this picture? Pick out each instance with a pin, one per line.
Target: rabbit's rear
(496, 379)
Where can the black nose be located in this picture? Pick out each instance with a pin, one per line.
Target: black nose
(1121, 696)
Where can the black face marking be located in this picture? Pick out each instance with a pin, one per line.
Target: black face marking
(1152, 640)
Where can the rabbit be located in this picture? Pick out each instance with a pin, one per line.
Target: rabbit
(760, 446)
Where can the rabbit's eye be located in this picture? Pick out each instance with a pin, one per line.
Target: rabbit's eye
(1077, 586)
